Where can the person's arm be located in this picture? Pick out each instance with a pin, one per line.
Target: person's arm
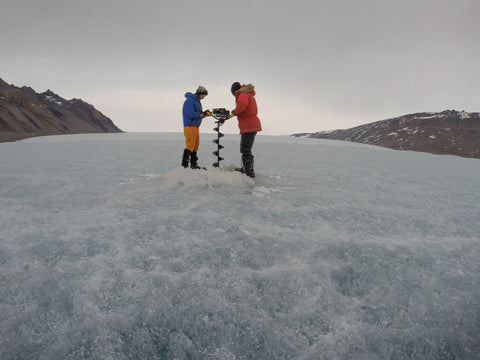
(242, 103)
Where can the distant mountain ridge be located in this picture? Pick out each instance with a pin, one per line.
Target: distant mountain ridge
(25, 113)
(448, 132)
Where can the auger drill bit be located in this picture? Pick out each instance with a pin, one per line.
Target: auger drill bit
(217, 141)
(221, 115)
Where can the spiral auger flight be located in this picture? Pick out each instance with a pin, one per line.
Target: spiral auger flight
(221, 115)
(217, 141)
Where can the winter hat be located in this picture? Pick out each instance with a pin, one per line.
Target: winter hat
(235, 86)
(202, 91)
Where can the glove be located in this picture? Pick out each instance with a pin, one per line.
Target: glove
(232, 114)
(205, 113)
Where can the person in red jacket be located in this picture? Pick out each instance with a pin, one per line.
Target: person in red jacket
(246, 112)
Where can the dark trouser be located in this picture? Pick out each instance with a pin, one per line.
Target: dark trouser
(246, 144)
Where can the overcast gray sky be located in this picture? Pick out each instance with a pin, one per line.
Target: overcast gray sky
(316, 65)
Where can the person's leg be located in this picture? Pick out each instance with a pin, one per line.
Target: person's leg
(189, 145)
(190, 137)
(246, 144)
(196, 144)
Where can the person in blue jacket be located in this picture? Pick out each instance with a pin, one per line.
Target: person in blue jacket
(192, 119)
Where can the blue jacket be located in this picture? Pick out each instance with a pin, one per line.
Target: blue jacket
(191, 110)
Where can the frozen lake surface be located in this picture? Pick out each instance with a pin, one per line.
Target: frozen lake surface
(110, 250)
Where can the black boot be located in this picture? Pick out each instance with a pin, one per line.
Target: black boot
(193, 160)
(248, 166)
(186, 158)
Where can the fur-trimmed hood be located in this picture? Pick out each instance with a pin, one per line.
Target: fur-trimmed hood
(247, 89)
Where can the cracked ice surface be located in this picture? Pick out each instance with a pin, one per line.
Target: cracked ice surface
(109, 250)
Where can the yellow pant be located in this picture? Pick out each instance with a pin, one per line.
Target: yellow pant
(192, 137)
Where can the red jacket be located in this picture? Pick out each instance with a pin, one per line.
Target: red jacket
(246, 110)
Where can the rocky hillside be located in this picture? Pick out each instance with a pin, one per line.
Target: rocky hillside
(25, 113)
(448, 132)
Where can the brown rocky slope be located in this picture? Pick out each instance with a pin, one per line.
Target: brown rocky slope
(448, 132)
(25, 113)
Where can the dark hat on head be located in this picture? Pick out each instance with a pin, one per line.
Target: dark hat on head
(202, 91)
(235, 86)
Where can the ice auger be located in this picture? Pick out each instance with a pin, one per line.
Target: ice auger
(220, 115)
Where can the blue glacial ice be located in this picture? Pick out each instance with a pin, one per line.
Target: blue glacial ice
(110, 250)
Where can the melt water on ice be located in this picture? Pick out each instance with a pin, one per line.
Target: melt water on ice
(110, 250)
